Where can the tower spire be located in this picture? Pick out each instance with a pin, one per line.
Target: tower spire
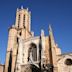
(51, 35)
(52, 47)
(50, 27)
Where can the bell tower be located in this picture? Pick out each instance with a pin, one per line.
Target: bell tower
(23, 18)
(21, 29)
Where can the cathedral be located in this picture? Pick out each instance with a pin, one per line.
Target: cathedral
(29, 53)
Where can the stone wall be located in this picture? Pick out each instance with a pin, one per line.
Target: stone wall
(1, 68)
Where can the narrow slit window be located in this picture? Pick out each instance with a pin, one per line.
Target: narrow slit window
(17, 39)
(24, 20)
(18, 21)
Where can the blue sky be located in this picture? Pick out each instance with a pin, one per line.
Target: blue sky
(58, 13)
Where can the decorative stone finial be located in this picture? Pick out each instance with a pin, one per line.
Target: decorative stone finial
(21, 7)
(17, 9)
(32, 33)
(56, 45)
(29, 12)
(13, 26)
(27, 9)
(42, 32)
(50, 27)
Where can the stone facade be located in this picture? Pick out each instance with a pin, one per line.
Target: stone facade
(65, 62)
(29, 53)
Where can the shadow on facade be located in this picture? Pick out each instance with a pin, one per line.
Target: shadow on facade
(35, 69)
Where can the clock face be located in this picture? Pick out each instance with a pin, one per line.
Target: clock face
(68, 61)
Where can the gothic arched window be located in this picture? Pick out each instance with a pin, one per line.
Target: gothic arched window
(32, 54)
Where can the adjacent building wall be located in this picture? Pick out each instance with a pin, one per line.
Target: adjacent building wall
(1, 68)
